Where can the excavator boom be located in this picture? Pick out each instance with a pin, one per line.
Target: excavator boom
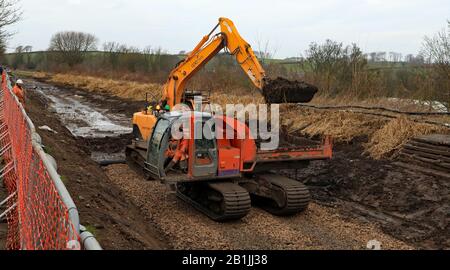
(274, 91)
(208, 47)
(174, 90)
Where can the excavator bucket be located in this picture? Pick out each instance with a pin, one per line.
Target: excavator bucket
(281, 91)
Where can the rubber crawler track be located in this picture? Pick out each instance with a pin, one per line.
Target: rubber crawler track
(297, 197)
(135, 160)
(236, 202)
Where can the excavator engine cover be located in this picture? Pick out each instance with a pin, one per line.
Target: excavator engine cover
(281, 91)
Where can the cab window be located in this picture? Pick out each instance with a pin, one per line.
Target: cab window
(157, 137)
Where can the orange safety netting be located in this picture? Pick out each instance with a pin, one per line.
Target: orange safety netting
(38, 219)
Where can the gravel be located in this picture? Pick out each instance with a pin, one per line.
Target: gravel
(318, 228)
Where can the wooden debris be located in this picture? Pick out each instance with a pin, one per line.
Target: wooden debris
(428, 154)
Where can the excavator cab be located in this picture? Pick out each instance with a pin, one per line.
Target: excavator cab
(205, 152)
(200, 154)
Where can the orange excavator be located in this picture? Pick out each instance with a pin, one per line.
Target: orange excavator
(219, 174)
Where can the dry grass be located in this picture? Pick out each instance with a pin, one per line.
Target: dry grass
(136, 90)
(123, 89)
(407, 105)
(32, 74)
(390, 139)
(342, 126)
(235, 98)
(386, 137)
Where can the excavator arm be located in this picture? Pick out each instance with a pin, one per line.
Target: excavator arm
(274, 91)
(208, 47)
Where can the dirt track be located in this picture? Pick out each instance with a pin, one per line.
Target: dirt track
(127, 212)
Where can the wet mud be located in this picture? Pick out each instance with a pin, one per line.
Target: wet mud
(281, 90)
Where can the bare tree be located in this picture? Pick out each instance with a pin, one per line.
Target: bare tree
(373, 57)
(414, 59)
(409, 58)
(154, 58)
(73, 45)
(28, 49)
(111, 47)
(323, 60)
(419, 60)
(2, 46)
(18, 58)
(19, 49)
(265, 50)
(9, 14)
(395, 57)
(436, 51)
(335, 67)
(381, 56)
(112, 53)
(391, 56)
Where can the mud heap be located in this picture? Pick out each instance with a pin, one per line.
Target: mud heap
(282, 90)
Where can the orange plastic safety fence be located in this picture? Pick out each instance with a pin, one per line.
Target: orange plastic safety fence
(38, 220)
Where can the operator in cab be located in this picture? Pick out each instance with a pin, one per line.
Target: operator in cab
(19, 92)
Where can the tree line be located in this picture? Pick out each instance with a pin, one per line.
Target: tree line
(340, 69)
(394, 57)
(81, 52)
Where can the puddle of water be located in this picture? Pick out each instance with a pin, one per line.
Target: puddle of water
(82, 118)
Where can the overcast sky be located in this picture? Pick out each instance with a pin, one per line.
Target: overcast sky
(289, 25)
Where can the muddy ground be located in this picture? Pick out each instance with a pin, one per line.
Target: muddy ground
(281, 90)
(355, 197)
(411, 206)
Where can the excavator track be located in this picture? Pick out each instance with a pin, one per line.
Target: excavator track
(219, 201)
(135, 159)
(296, 196)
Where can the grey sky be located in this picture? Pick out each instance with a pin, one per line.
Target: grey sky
(289, 25)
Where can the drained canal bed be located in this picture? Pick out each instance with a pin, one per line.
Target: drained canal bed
(103, 207)
(101, 124)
